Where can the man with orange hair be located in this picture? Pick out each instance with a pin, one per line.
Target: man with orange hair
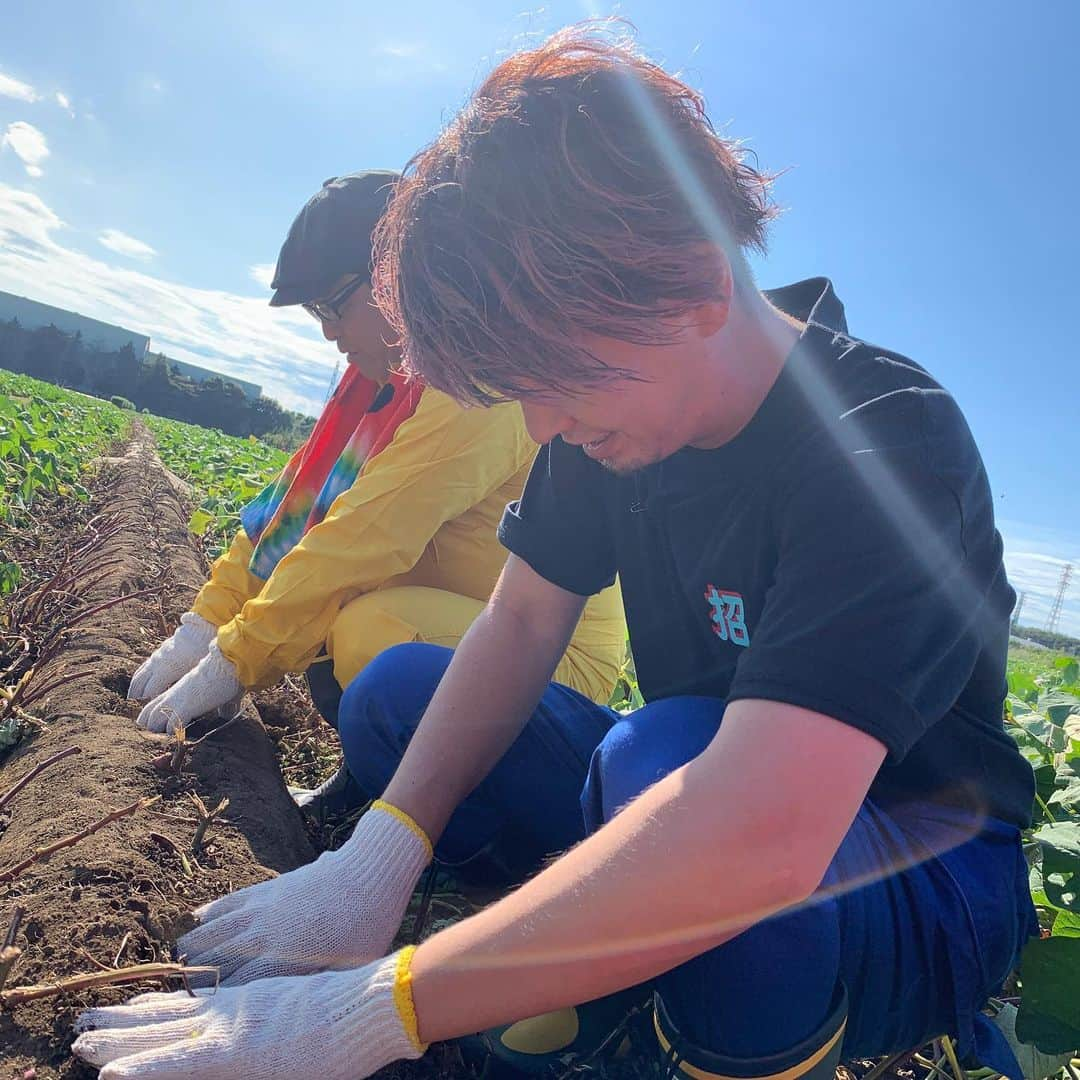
(807, 842)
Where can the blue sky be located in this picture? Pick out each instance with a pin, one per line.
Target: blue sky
(154, 156)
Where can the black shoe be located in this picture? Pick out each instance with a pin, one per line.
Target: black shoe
(336, 797)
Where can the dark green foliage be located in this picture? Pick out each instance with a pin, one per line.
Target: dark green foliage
(1057, 642)
(152, 386)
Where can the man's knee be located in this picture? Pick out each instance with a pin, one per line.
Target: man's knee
(644, 747)
(382, 706)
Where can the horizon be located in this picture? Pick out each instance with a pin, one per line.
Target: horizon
(149, 181)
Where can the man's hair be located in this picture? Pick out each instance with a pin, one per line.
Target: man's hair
(579, 192)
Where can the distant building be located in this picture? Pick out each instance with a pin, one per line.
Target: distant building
(201, 374)
(100, 335)
(104, 336)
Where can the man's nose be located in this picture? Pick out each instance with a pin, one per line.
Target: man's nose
(544, 422)
(330, 329)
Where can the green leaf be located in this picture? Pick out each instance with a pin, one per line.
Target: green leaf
(1060, 843)
(200, 521)
(10, 575)
(1058, 706)
(1049, 1016)
(1048, 734)
(1066, 924)
(1066, 787)
(1046, 781)
(1069, 668)
(1022, 684)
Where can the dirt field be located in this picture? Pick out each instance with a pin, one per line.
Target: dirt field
(120, 896)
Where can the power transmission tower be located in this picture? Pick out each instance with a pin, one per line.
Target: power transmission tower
(1063, 585)
(1016, 610)
(333, 382)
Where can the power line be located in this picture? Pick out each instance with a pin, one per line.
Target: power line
(1055, 610)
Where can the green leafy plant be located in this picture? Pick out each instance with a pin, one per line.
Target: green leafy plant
(227, 472)
(1043, 715)
(48, 440)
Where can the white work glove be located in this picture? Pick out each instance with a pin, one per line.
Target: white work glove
(211, 684)
(173, 658)
(340, 1025)
(338, 912)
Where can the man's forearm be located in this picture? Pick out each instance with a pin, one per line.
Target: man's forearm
(497, 675)
(656, 886)
(687, 865)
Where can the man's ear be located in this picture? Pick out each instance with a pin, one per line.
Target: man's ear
(712, 316)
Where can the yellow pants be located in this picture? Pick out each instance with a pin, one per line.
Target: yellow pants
(406, 613)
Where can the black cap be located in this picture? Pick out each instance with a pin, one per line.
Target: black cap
(331, 236)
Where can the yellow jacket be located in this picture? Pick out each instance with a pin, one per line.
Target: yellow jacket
(422, 512)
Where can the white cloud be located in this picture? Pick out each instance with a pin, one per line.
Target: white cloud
(238, 335)
(122, 244)
(262, 273)
(65, 103)
(402, 50)
(397, 61)
(28, 144)
(20, 91)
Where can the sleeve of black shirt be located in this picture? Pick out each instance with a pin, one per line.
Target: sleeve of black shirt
(889, 576)
(559, 526)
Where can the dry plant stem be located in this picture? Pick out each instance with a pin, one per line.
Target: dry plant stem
(954, 1061)
(889, 1063)
(120, 952)
(13, 928)
(97, 963)
(934, 1068)
(215, 731)
(8, 955)
(75, 983)
(13, 872)
(37, 770)
(167, 842)
(206, 817)
(180, 750)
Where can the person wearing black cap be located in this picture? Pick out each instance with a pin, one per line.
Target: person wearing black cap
(380, 530)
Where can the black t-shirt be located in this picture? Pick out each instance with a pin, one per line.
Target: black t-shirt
(839, 554)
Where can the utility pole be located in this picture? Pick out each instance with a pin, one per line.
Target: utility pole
(333, 382)
(1055, 610)
(1016, 611)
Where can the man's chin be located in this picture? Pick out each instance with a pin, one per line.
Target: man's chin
(624, 466)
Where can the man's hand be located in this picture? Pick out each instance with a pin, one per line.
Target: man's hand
(173, 658)
(211, 684)
(338, 912)
(337, 1025)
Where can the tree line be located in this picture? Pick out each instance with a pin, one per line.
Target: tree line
(1061, 643)
(50, 354)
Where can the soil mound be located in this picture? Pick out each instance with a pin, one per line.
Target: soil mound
(119, 896)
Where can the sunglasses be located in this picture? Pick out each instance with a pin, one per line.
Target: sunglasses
(329, 310)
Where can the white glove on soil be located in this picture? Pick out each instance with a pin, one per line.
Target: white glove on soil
(338, 912)
(173, 658)
(340, 1025)
(211, 684)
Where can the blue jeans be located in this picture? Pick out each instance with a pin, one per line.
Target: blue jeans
(934, 931)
